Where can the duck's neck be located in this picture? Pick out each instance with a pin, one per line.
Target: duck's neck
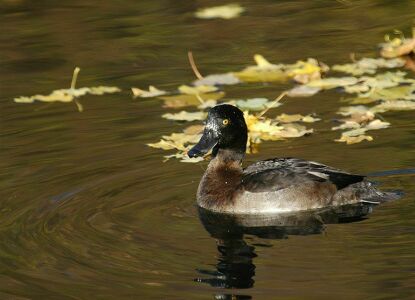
(222, 179)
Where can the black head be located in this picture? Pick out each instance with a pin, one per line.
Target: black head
(225, 129)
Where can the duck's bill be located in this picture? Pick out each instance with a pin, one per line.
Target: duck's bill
(207, 142)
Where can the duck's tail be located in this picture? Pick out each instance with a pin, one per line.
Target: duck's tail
(368, 193)
(364, 192)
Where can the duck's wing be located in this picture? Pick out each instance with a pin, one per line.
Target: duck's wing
(278, 173)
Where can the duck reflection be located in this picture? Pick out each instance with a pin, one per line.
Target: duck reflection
(235, 267)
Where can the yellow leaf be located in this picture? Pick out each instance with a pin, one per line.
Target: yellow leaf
(186, 116)
(228, 11)
(195, 90)
(262, 62)
(329, 83)
(393, 105)
(218, 79)
(397, 48)
(264, 71)
(152, 92)
(377, 124)
(165, 145)
(182, 138)
(179, 101)
(194, 129)
(291, 130)
(354, 139)
(69, 95)
(284, 118)
(303, 91)
(369, 65)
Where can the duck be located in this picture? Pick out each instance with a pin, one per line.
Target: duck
(273, 185)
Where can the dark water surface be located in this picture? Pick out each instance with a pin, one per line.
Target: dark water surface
(87, 211)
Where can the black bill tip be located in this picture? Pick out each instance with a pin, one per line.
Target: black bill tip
(194, 153)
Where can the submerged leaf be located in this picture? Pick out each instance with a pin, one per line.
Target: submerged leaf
(228, 11)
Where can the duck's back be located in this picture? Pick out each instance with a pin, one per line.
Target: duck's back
(292, 184)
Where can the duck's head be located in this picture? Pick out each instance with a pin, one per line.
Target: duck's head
(225, 129)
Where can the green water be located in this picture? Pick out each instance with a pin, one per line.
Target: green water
(87, 211)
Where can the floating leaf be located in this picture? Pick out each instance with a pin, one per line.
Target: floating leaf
(303, 91)
(350, 110)
(254, 104)
(405, 92)
(264, 71)
(182, 138)
(348, 124)
(184, 157)
(284, 118)
(369, 65)
(218, 79)
(194, 129)
(330, 83)
(178, 101)
(186, 116)
(292, 130)
(165, 145)
(397, 47)
(101, 90)
(304, 71)
(152, 92)
(207, 104)
(228, 11)
(354, 139)
(394, 105)
(69, 95)
(196, 90)
(354, 132)
(55, 96)
(377, 124)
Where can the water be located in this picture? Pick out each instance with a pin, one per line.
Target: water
(87, 211)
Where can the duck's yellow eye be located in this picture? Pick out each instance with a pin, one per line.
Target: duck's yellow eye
(225, 122)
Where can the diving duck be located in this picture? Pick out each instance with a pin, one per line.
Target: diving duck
(270, 186)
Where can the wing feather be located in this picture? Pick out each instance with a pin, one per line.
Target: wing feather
(278, 173)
